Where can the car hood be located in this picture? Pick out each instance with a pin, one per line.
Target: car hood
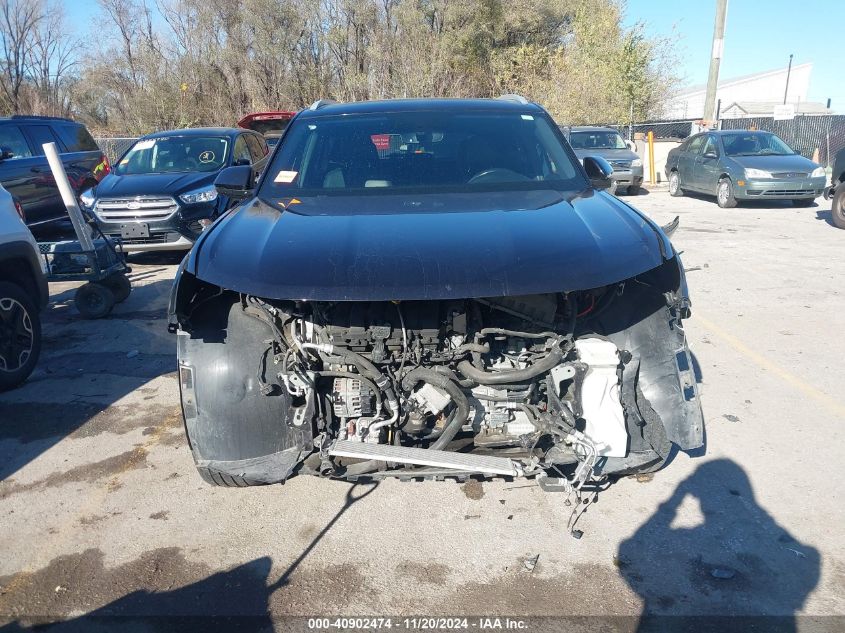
(607, 154)
(174, 184)
(439, 247)
(794, 162)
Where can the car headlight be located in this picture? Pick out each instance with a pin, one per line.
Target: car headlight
(818, 172)
(206, 194)
(756, 173)
(637, 162)
(87, 198)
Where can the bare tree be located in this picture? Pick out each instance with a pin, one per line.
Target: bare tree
(19, 20)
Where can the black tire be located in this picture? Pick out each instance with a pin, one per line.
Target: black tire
(120, 286)
(94, 300)
(837, 208)
(216, 478)
(675, 189)
(725, 194)
(634, 190)
(20, 327)
(804, 202)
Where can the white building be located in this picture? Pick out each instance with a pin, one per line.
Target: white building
(759, 87)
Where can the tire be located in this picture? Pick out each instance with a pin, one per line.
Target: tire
(94, 300)
(216, 478)
(725, 194)
(634, 190)
(837, 208)
(20, 335)
(804, 202)
(120, 286)
(675, 185)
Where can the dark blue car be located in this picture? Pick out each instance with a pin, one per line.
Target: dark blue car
(160, 195)
(429, 289)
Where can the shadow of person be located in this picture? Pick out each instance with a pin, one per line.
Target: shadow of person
(721, 566)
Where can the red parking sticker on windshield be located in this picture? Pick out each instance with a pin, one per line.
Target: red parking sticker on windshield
(207, 157)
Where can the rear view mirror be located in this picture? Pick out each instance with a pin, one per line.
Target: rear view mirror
(598, 171)
(235, 182)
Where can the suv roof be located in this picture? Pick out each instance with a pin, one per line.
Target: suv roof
(416, 105)
(591, 128)
(198, 131)
(35, 117)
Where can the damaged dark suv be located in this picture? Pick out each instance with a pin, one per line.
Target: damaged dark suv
(432, 289)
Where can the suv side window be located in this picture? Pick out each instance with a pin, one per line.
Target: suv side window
(255, 147)
(76, 138)
(241, 154)
(40, 134)
(13, 141)
(711, 146)
(695, 144)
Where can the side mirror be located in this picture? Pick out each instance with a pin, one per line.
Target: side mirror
(235, 182)
(598, 171)
(711, 155)
(5, 153)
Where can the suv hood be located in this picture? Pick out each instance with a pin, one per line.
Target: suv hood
(174, 184)
(607, 154)
(442, 247)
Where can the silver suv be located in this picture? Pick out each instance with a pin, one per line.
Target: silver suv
(609, 144)
(23, 294)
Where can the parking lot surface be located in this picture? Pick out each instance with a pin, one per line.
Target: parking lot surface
(102, 510)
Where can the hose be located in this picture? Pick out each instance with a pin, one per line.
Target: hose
(439, 380)
(511, 375)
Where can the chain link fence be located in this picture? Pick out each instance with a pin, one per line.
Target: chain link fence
(114, 147)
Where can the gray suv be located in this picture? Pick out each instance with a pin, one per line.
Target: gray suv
(609, 144)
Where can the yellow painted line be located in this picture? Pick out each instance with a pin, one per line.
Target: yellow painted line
(761, 361)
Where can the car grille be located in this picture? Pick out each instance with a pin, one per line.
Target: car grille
(146, 208)
(620, 164)
(790, 174)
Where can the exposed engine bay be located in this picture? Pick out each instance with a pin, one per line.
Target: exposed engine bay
(569, 387)
(507, 375)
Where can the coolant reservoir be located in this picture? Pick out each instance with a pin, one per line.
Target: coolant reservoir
(602, 410)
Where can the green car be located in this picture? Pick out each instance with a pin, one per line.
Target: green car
(736, 165)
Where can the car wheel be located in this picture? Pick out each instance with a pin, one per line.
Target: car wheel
(634, 190)
(725, 194)
(803, 202)
(20, 335)
(225, 481)
(120, 286)
(675, 185)
(94, 300)
(837, 208)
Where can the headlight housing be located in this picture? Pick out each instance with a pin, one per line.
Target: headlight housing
(87, 198)
(206, 194)
(637, 162)
(757, 173)
(818, 172)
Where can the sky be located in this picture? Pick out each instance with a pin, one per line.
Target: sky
(759, 36)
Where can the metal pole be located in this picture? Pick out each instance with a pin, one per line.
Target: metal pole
(715, 60)
(651, 157)
(788, 73)
(68, 196)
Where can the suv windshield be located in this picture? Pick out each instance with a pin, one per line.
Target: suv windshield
(755, 144)
(425, 152)
(596, 140)
(174, 154)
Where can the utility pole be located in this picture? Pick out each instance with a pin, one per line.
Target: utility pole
(715, 61)
(788, 73)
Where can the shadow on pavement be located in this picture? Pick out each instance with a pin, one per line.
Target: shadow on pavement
(724, 566)
(238, 599)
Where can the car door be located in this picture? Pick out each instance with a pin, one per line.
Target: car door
(20, 172)
(708, 165)
(48, 200)
(686, 162)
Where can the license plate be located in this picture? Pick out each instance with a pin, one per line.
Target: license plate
(135, 229)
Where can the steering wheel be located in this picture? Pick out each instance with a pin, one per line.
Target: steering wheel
(498, 174)
(191, 163)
